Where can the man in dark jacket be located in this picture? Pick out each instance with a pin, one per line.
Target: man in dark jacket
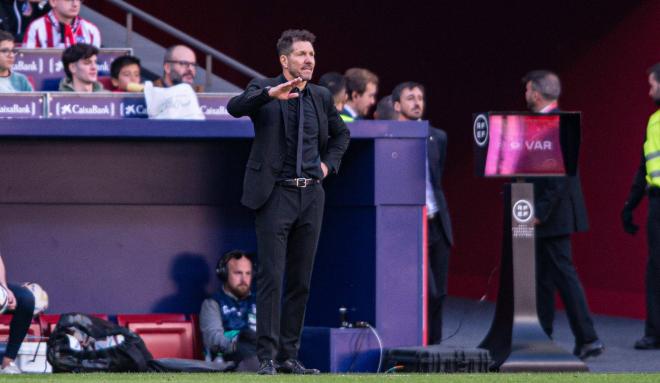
(409, 103)
(560, 211)
(298, 140)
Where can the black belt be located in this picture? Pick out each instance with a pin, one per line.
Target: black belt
(299, 182)
(654, 192)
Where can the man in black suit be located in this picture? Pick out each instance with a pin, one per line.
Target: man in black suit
(299, 139)
(408, 101)
(560, 211)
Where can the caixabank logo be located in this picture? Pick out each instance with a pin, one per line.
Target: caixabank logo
(133, 110)
(65, 109)
(55, 66)
(18, 110)
(28, 66)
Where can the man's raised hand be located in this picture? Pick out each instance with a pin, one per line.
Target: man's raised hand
(282, 91)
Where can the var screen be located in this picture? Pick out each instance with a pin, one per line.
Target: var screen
(524, 144)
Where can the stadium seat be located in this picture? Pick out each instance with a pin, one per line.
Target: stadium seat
(50, 84)
(34, 332)
(106, 81)
(166, 335)
(32, 82)
(197, 338)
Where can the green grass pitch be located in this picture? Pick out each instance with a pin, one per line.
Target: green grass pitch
(331, 378)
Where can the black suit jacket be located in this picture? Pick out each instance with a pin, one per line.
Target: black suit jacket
(437, 153)
(269, 117)
(559, 205)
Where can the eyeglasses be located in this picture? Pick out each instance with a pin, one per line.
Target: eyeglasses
(75, 1)
(7, 51)
(185, 64)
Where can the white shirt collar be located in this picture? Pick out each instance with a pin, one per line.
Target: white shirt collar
(350, 111)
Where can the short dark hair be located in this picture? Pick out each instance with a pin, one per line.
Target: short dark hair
(385, 109)
(234, 254)
(120, 62)
(396, 93)
(655, 69)
(357, 80)
(290, 36)
(77, 52)
(4, 36)
(545, 82)
(334, 81)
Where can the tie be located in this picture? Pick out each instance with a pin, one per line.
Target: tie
(301, 121)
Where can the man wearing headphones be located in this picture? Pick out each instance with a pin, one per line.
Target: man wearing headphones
(228, 320)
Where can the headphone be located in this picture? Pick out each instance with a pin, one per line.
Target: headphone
(221, 268)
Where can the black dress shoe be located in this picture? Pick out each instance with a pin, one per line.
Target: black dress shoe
(293, 366)
(648, 343)
(267, 367)
(594, 348)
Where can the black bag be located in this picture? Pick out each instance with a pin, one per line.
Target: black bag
(81, 343)
(437, 359)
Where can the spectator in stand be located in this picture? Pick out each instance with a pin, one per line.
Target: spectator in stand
(336, 83)
(16, 15)
(385, 109)
(62, 27)
(361, 87)
(79, 62)
(10, 81)
(179, 66)
(125, 74)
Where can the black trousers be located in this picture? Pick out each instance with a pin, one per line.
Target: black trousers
(21, 319)
(438, 254)
(555, 271)
(288, 228)
(652, 325)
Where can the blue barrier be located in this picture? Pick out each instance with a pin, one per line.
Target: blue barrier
(130, 217)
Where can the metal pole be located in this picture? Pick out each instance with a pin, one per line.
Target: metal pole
(187, 39)
(209, 72)
(129, 28)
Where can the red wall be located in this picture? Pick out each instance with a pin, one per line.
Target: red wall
(609, 84)
(471, 59)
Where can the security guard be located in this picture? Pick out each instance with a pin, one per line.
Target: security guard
(648, 179)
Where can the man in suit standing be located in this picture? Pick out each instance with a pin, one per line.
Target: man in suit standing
(408, 101)
(560, 211)
(299, 140)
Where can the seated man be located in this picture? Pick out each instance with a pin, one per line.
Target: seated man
(21, 303)
(179, 66)
(79, 62)
(228, 320)
(10, 81)
(125, 74)
(61, 27)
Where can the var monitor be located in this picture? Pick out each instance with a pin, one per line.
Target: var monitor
(519, 144)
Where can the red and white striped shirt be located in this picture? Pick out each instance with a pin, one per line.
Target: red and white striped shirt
(44, 32)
